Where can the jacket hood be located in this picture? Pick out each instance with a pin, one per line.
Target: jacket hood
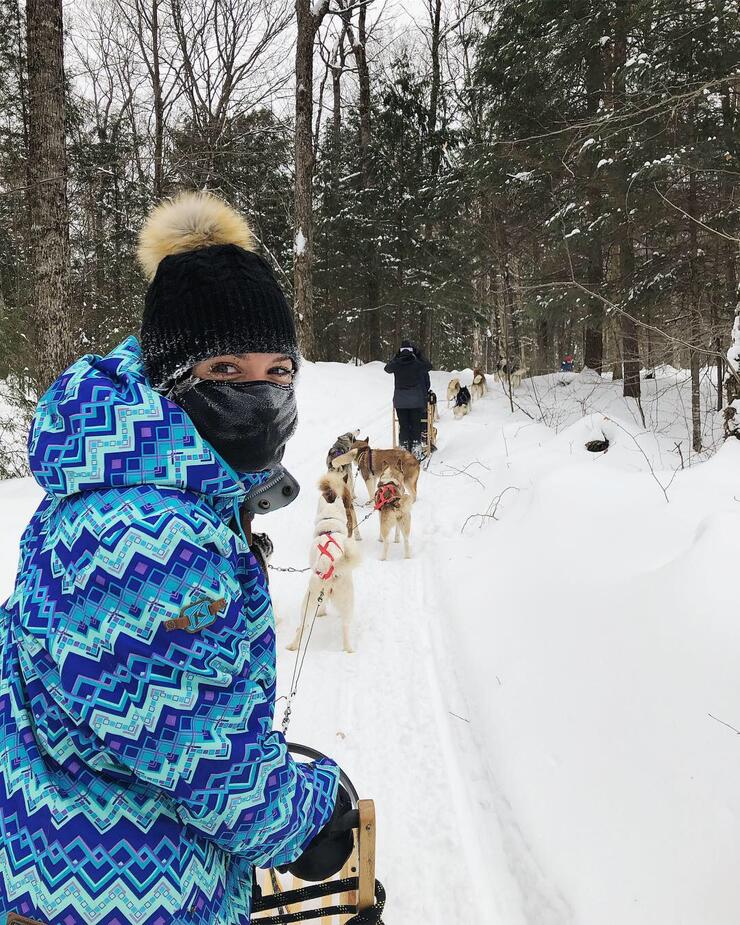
(102, 424)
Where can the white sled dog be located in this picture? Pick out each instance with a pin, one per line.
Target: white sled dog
(394, 505)
(479, 387)
(453, 388)
(333, 557)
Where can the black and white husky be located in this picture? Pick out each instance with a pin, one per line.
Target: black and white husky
(462, 402)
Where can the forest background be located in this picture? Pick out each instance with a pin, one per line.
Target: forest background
(496, 179)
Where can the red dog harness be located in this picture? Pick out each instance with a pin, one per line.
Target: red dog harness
(325, 551)
(386, 494)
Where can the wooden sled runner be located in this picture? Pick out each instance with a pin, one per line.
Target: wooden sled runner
(353, 897)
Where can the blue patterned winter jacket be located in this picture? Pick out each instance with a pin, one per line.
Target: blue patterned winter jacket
(140, 779)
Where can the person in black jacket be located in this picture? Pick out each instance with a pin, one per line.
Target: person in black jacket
(410, 369)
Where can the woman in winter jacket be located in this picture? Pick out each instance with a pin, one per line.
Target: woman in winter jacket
(410, 369)
(140, 778)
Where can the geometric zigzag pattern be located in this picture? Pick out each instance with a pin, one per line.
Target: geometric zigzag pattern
(140, 777)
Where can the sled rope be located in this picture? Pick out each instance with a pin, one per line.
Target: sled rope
(288, 568)
(370, 916)
(300, 658)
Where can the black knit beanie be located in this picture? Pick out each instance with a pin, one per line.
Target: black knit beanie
(210, 294)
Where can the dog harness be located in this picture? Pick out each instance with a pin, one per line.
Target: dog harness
(326, 551)
(386, 494)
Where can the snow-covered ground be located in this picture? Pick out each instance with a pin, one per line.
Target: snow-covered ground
(543, 699)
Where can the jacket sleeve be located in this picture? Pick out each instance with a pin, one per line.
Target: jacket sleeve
(392, 365)
(173, 677)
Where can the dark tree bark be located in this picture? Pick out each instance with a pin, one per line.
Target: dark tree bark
(358, 41)
(47, 193)
(308, 21)
(435, 18)
(593, 337)
(630, 346)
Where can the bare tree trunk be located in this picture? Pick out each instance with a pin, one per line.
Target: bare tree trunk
(593, 339)
(435, 16)
(157, 104)
(630, 346)
(695, 312)
(307, 23)
(47, 193)
(358, 41)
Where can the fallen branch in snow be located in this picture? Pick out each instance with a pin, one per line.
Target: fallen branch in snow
(677, 444)
(490, 514)
(663, 488)
(456, 471)
(457, 715)
(724, 723)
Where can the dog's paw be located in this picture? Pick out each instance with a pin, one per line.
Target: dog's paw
(349, 650)
(292, 647)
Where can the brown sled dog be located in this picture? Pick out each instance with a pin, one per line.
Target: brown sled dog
(394, 505)
(372, 462)
(479, 387)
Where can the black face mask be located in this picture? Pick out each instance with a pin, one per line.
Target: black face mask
(247, 423)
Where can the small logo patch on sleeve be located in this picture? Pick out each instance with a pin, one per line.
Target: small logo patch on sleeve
(197, 616)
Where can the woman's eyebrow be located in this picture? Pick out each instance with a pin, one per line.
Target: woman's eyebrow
(283, 357)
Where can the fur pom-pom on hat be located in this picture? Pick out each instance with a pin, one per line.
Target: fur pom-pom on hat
(209, 293)
(190, 222)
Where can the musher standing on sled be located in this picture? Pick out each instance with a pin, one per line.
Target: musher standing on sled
(140, 778)
(410, 369)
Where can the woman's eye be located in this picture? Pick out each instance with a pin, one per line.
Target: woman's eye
(224, 369)
(282, 371)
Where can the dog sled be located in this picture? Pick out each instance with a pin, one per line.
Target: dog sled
(353, 897)
(428, 428)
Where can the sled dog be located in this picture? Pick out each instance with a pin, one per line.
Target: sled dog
(479, 387)
(372, 462)
(333, 557)
(516, 375)
(342, 445)
(453, 388)
(394, 505)
(462, 403)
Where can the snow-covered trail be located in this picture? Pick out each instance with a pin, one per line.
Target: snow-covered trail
(394, 714)
(387, 712)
